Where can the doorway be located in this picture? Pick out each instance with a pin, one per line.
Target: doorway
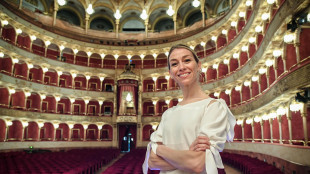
(127, 137)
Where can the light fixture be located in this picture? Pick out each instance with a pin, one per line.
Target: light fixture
(61, 47)
(1, 54)
(71, 126)
(47, 43)
(102, 55)
(213, 38)
(5, 22)
(239, 122)
(226, 61)
(100, 102)
(86, 101)
(72, 100)
(272, 115)
(227, 91)
(117, 14)
(204, 70)
(180, 99)
(33, 37)
(192, 47)
(87, 77)
(154, 55)
(241, 14)
(257, 119)
(288, 38)
(15, 60)
(90, 9)
(269, 62)
(59, 73)
(244, 48)
(27, 94)
(216, 94)
(167, 77)
(18, 31)
(56, 125)
(215, 66)
(43, 96)
(116, 56)
(224, 32)
(61, 2)
(236, 55)
(101, 78)
(254, 78)
(9, 123)
(276, 53)
(143, 14)
(45, 69)
(265, 16)
(248, 121)
(248, 3)
(89, 53)
(12, 91)
(154, 127)
(57, 98)
(281, 111)
(25, 124)
(154, 79)
(154, 102)
(252, 39)
(262, 70)
(85, 126)
(247, 83)
(40, 125)
(73, 75)
(265, 117)
(196, 3)
(75, 51)
(202, 43)
(30, 65)
(258, 29)
(167, 53)
(170, 11)
(142, 56)
(270, 1)
(296, 106)
(233, 24)
(238, 88)
(167, 101)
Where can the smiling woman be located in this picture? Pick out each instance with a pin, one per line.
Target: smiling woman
(191, 134)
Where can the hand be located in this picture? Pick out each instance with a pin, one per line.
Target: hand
(201, 143)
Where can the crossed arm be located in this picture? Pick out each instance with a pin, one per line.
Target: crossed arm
(192, 160)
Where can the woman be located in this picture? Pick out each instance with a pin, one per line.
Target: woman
(180, 145)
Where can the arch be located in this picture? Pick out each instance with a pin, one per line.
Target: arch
(6, 65)
(3, 129)
(23, 41)
(92, 133)
(15, 132)
(18, 100)
(163, 23)
(36, 74)
(49, 104)
(9, 33)
(20, 70)
(70, 15)
(101, 22)
(51, 77)
(33, 102)
(107, 108)
(109, 62)
(192, 17)
(95, 60)
(62, 132)
(148, 108)
(32, 131)
(81, 58)
(53, 52)
(146, 132)
(106, 133)
(148, 85)
(93, 108)
(38, 47)
(80, 82)
(77, 132)
(47, 132)
(94, 83)
(4, 97)
(161, 83)
(79, 107)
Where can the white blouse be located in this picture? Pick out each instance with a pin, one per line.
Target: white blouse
(182, 124)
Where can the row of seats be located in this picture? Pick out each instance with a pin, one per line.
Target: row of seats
(248, 165)
(76, 161)
(130, 163)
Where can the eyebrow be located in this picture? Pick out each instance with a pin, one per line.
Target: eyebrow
(174, 59)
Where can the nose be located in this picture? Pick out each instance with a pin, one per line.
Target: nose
(181, 66)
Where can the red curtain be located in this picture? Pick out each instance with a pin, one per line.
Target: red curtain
(304, 38)
(290, 56)
(257, 131)
(2, 129)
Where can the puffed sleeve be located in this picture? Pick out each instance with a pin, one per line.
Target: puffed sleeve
(218, 124)
(157, 136)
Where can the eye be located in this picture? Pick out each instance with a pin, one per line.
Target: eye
(188, 60)
(173, 64)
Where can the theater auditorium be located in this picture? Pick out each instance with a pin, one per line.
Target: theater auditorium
(84, 83)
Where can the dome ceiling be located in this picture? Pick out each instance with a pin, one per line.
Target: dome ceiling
(74, 12)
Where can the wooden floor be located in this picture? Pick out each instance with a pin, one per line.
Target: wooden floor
(228, 169)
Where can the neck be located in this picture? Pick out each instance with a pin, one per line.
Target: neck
(192, 91)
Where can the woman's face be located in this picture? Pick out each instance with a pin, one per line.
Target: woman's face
(183, 67)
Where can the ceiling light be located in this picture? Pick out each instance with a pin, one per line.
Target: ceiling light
(213, 38)
(33, 37)
(47, 43)
(254, 78)
(116, 56)
(265, 117)
(73, 75)
(257, 119)
(15, 60)
(244, 48)
(216, 94)
(45, 69)
(61, 47)
(196, 3)
(61, 2)
(241, 14)
(281, 111)
(59, 73)
(215, 66)
(252, 39)
(18, 31)
(262, 70)
(102, 55)
(224, 32)
(89, 53)
(227, 91)
(129, 56)
(288, 38)
(248, 121)
(1, 54)
(233, 23)
(258, 29)
(170, 11)
(143, 14)
(142, 56)
(248, 3)
(270, 1)
(269, 62)
(204, 70)
(154, 55)
(101, 78)
(57, 98)
(5, 22)
(202, 43)
(236, 55)
(117, 14)
(296, 106)
(30, 65)
(277, 53)
(90, 9)
(272, 115)
(75, 51)
(88, 77)
(247, 83)
(226, 61)
(12, 91)
(265, 16)
(238, 88)
(239, 122)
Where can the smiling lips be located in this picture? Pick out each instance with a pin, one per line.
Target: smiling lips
(183, 75)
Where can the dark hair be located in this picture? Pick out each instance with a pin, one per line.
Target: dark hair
(185, 47)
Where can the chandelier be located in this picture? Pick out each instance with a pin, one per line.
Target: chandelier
(143, 14)
(170, 11)
(196, 3)
(117, 14)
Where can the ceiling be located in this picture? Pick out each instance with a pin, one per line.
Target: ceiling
(74, 12)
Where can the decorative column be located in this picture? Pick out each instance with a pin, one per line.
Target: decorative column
(75, 51)
(100, 107)
(43, 96)
(262, 129)
(303, 113)
(56, 7)
(29, 65)
(167, 77)
(72, 100)
(202, 9)
(146, 23)
(140, 107)
(59, 73)
(252, 125)
(20, 4)
(8, 124)
(280, 128)
(242, 128)
(47, 43)
(57, 100)
(87, 80)
(70, 131)
(115, 140)
(155, 108)
(73, 76)
(175, 23)
(101, 83)
(117, 28)
(102, 57)
(115, 102)
(56, 126)
(155, 83)
(11, 91)
(40, 125)
(139, 134)
(88, 57)
(116, 57)
(25, 124)
(271, 132)
(289, 119)
(86, 22)
(44, 69)
(99, 131)
(86, 108)
(85, 128)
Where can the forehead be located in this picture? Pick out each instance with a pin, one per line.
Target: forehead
(180, 53)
